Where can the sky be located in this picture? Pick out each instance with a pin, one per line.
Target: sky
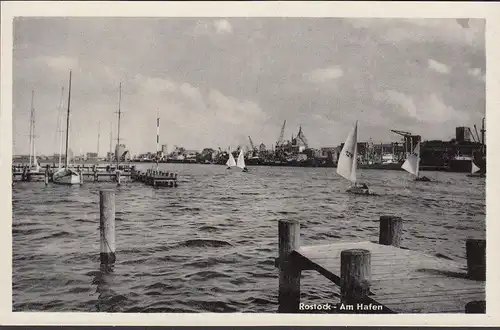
(216, 81)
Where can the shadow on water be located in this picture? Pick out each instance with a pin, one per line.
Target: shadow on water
(108, 300)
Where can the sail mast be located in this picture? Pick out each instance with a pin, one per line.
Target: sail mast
(35, 162)
(67, 122)
(98, 137)
(61, 104)
(157, 136)
(31, 126)
(110, 142)
(119, 118)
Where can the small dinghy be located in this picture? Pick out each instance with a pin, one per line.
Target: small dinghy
(241, 162)
(230, 162)
(474, 170)
(348, 163)
(412, 164)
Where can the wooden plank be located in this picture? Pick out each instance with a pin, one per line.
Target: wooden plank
(402, 280)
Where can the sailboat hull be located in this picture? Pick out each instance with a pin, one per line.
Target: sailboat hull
(34, 169)
(67, 177)
(358, 191)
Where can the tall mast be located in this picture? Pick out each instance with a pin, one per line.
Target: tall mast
(35, 162)
(110, 142)
(157, 136)
(119, 117)
(482, 137)
(60, 125)
(98, 137)
(32, 129)
(67, 121)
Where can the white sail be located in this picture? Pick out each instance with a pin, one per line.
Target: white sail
(412, 163)
(474, 168)
(348, 162)
(231, 162)
(241, 160)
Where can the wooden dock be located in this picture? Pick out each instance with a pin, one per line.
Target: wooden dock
(154, 178)
(394, 279)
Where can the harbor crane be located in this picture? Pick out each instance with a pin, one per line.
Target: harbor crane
(251, 144)
(282, 133)
(407, 136)
(477, 135)
(403, 133)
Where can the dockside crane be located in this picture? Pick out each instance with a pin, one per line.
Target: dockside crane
(278, 151)
(282, 133)
(477, 135)
(251, 144)
(406, 136)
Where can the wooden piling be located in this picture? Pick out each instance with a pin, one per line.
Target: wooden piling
(355, 275)
(289, 277)
(46, 178)
(476, 259)
(96, 176)
(391, 230)
(476, 307)
(107, 226)
(118, 177)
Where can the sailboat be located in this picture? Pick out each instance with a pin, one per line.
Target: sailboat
(348, 163)
(412, 164)
(230, 162)
(34, 165)
(474, 170)
(66, 175)
(241, 161)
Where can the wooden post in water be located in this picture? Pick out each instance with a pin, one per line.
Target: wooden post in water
(391, 230)
(107, 226)
(46, 177)
(289, 274)
(475, 307)
(476, 259)
(355, 275)
(118, 181)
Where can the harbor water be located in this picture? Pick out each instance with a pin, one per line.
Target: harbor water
(209, 244)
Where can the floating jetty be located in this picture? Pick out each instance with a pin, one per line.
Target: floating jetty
(150, 177)
(382, 277)
(156, 178)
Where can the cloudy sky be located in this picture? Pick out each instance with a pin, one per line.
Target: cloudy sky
(216, 81)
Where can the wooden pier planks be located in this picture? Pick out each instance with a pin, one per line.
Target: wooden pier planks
(404, 281)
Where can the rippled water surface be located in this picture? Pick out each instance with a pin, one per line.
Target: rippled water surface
(209, 245)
